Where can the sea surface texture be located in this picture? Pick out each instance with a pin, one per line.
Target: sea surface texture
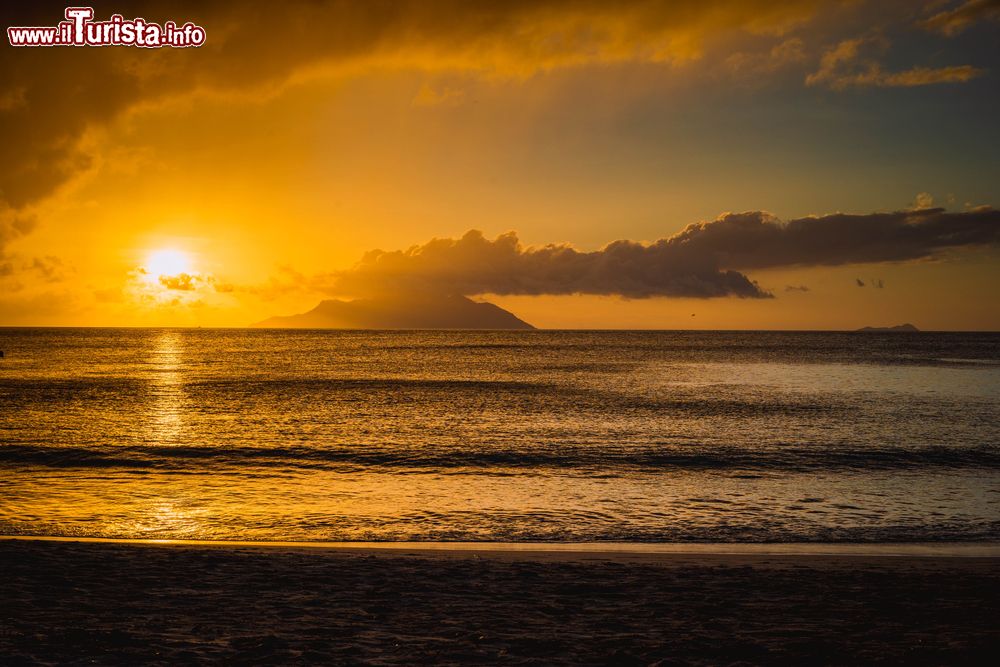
(520, 436)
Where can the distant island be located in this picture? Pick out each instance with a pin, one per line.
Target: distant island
(408, 311)
(898, 327)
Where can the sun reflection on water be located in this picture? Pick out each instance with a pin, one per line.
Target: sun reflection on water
(166, 409)
(178, 511)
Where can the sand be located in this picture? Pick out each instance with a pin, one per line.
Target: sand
(109, 603)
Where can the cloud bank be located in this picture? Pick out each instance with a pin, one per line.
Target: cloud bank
(758, 240)
(475, 265)
(704, 260)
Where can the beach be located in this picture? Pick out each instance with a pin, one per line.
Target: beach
(118, 603)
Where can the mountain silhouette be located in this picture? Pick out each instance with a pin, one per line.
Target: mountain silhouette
(407, 311)
(898, 327)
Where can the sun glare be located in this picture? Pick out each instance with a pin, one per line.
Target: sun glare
(167, 262)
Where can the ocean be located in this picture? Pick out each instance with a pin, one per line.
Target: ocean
(631, 436)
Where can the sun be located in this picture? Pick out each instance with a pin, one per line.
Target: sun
(167, 262)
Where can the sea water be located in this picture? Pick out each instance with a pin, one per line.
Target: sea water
(503, 436)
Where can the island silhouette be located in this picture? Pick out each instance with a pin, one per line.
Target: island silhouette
(899, 327)
(401, 311)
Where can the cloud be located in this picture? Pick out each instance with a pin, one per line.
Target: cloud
(149, 290)
(953, 21)
(53, 102)
(796, 288)
(182, 282)
(20, 272)
(191, 282)
(51, 269)
(704, 260)
(13, 225)
(758, 240)
(924, 200)
(788, 52)
(474, 264)
(845, 66)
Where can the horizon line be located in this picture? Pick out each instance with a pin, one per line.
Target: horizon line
(515, 331)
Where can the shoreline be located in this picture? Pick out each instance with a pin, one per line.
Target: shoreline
(611, 551)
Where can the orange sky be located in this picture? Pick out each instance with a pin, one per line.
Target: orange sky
(265, 164)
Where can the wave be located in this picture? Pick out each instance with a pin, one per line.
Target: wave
(590, 460)
(516, 529)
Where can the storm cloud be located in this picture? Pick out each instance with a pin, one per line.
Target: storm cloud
(704, 260)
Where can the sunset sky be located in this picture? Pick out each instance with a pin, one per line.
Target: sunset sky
(805, 164)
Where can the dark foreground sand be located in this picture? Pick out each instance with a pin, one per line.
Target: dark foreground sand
(116, 603)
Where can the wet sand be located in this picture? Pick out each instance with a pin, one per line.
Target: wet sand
(125, 603)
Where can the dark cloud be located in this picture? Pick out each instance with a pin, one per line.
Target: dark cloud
(796, 288)
(953, 21)
(703, 260)
(758, 240)
(476, 265)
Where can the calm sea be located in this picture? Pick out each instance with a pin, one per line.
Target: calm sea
(527, 436)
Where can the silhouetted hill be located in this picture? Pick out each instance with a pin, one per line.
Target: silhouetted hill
(898, 327)
(401, 312)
